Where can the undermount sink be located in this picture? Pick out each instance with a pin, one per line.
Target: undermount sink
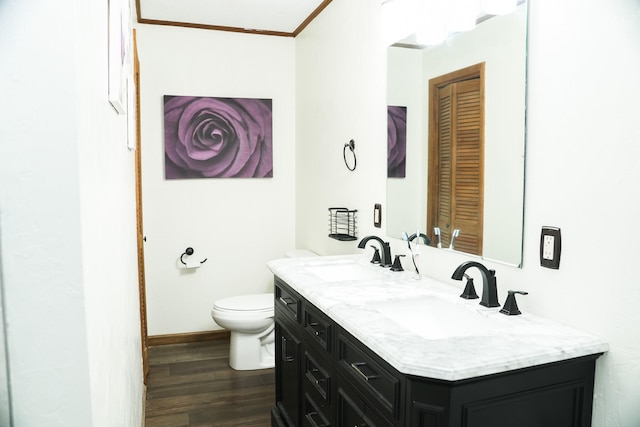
(341, 271)
(435, 317)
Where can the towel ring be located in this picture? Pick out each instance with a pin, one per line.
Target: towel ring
(189, 251)
(352, 147)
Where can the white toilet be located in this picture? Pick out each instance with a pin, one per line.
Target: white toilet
(249, 318)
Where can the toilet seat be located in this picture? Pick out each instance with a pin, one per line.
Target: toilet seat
(254, 304)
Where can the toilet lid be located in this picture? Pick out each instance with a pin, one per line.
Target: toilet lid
(246, 302)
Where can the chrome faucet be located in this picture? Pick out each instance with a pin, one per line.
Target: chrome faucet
(436, 232)
(489, 286)
(385, 249)
(455, 234)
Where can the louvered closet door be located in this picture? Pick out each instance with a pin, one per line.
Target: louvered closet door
(460, 174)
(445, 187)
(467, 166)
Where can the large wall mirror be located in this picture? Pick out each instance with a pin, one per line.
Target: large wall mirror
(500, 43)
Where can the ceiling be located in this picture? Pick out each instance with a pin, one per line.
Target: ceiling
(270, 17)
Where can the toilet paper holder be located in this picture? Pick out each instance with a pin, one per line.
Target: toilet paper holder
(189, 251)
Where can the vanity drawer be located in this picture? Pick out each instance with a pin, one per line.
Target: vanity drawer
(287, 301)
(318, 379)
(352, 410)
(314, 415)
(379, 385)
(318, 327)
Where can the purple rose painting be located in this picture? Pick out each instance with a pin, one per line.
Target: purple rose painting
(396, 141)
(208, 137)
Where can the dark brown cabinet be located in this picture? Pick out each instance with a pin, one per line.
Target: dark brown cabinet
(325, 377)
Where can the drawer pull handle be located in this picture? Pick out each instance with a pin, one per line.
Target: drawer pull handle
(311, 416)
(287, 301)
(356, 366)
(286, 358)
(316, 375)
(316, 332)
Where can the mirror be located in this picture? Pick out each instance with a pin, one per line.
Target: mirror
(500, 42)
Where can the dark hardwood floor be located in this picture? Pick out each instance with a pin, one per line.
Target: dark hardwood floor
(193, 385)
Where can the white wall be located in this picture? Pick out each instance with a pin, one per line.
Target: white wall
(108, 227)
(340, 95)
(237, 224)
(583, 153)
(68, 221)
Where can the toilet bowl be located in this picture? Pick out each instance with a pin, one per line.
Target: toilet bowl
(249, 318)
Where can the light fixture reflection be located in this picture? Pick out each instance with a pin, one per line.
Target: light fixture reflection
(462, 15)
(432, 27)
(434, 20)
(398, 20)
(499, 7)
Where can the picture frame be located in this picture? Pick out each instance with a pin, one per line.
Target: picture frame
(119, 40)
(227, 137)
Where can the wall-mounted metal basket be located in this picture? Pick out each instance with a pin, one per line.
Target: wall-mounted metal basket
(342, 224)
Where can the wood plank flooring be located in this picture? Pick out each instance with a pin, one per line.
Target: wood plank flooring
(193, 385)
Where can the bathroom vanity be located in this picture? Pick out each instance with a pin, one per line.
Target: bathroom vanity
(357, 345)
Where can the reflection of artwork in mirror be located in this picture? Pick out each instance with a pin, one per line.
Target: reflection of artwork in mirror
(456, 158)
(396, 141)
(500, 43)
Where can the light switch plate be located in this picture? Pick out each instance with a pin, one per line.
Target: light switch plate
(550, 245)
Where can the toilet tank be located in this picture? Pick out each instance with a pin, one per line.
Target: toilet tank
(300, 253)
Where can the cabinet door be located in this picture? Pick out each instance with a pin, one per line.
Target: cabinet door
(288, 386)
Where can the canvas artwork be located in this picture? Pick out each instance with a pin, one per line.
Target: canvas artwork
(396, 141)
(209, 137)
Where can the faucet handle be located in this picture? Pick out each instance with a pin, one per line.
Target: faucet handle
(397, 265)
(510, 307)
(469, 289)
(376, 255)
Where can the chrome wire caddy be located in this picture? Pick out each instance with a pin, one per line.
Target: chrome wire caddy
(342, 224)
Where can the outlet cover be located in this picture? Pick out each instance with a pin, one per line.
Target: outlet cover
(550, 245)
(377, 215)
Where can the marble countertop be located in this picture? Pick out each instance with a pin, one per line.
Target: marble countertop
(511, 342)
